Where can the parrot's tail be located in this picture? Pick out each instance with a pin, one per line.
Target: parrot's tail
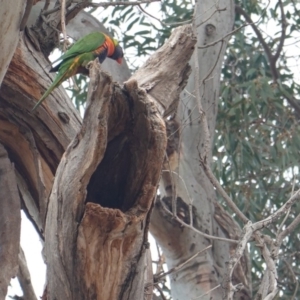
(57, 82)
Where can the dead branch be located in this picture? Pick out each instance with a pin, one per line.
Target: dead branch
(268, 288)
(24, 278)
(170, 214)
(180, 266)
(29, 5)
(158, 76)
(80, 5)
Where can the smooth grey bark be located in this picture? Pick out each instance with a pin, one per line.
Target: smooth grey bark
(183, 179)
(10, 18)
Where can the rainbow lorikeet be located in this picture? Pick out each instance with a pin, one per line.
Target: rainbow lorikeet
(74, 61)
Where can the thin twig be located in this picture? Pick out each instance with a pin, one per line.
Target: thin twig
(288, 212)
(211, 290)
(26, 14)
(24, 277)
(283, 32)
(289, 229)
(294, 279)
(180, 177)
(180, 266)
(276, 215)
(283, 222)
(216, 62)
(222, 192)
(83, 5)
(208, 18)
(162, 22)
(63, 23)
(160, 260)
(249, 22)
(266, 47)
(224, 37)
(272, 58)
(47, 3)
(208, 236)
(161, 292)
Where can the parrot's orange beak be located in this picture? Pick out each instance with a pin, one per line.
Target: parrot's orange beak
(119, 60)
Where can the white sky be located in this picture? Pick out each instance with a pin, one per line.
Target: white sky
(32, 248)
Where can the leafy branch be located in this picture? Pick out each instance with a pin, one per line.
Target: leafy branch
(272, 58)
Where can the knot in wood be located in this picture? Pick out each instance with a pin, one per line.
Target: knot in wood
(64, 117)
(210, 29)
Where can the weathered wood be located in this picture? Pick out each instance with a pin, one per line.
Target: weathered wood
(35, 142)
(104, 187)
(98, 250)
(24, 278)
(165, 73)
(10, 222)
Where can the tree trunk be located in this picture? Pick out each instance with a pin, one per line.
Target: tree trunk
(11, 16)
(97, 217)
(115, 161)
(185, 190)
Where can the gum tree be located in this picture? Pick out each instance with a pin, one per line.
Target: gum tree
(217, 138)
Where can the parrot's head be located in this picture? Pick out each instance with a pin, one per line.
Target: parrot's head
(118, 53)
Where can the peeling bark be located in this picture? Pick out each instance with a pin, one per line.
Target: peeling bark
(167, 68)
(10, 222)
(101, 250)
(35, 142)
(97, 216)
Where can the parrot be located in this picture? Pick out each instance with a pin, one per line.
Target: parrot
(75, 59)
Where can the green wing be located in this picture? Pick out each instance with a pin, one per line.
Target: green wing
(86, 44)
(67, 69)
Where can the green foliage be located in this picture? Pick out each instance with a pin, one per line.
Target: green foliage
(257, 142)
(79, 91)
(141, 33)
